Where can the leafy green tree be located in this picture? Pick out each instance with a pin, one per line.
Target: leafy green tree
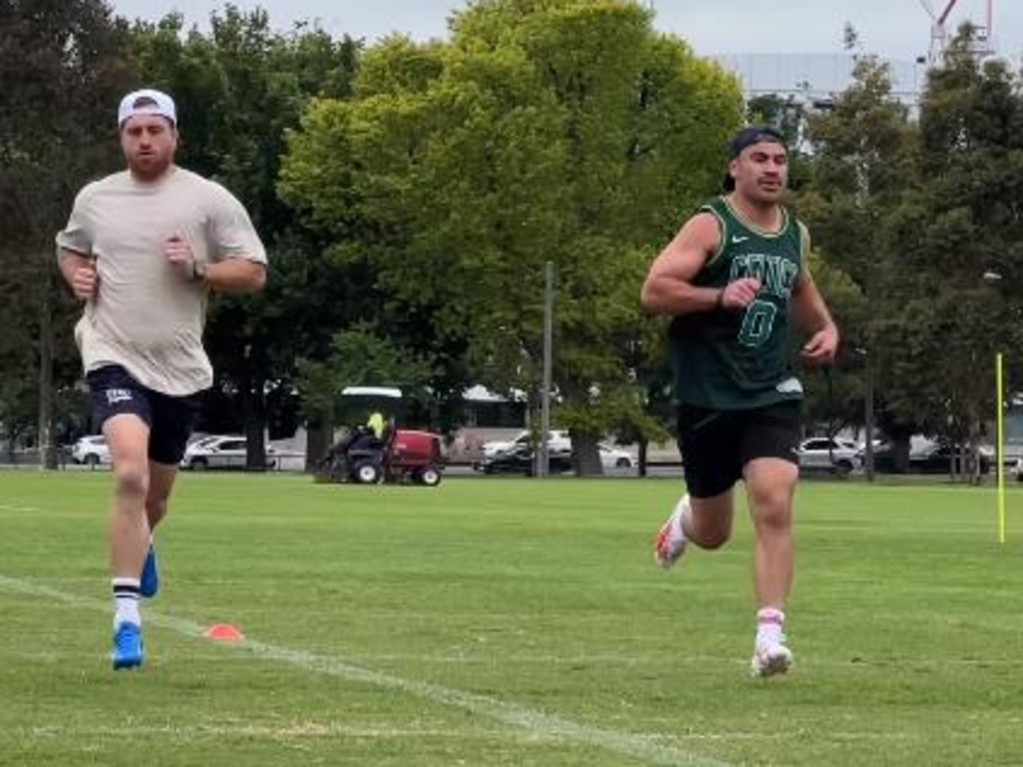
(963, 222)
(62, 69)
(543, 131)
(862, 164)
(917, 214)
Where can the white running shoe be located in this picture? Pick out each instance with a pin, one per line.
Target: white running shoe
(771, 659)
(670, 542)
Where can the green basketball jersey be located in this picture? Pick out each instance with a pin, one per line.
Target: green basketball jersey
(736, 360)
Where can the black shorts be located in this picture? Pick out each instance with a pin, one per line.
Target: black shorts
(170, 419)
(717, 444)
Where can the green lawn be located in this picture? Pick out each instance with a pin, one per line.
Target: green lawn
(507, 622)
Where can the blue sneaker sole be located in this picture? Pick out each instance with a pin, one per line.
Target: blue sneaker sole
(128, 648)
(125, 664)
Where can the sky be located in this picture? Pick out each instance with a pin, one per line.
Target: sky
(895, 29)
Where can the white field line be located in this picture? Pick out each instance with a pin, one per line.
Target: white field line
(533, 721)
(333, 730)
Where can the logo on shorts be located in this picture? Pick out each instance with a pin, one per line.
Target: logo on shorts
(789, 386)
(118, 395)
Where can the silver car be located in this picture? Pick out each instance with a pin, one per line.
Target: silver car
(91, 450)
(836, 455)
(223, 452)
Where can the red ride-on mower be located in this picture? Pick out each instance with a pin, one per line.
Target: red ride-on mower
(398, 455)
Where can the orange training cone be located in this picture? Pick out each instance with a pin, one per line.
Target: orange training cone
(224, 632)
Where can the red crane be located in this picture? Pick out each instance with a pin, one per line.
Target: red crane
(939, 30)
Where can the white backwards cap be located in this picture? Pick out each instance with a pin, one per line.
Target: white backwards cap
(160, 104)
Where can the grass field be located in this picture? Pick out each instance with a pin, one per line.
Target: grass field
(507, 622)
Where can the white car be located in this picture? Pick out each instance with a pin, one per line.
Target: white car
(559, 442)
(837, 455)
(91, 450)
(612, 457)
(221, 452)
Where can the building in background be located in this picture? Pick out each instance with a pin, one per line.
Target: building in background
(815, 78)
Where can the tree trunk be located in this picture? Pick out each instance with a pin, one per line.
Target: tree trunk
(644, 448)
(318, 440)
(255, 423)
(900, 455)
(585, 454)
(47, 417)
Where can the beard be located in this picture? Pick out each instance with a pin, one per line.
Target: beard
(149, 167)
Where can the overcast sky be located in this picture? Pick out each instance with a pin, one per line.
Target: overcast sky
(899, 29)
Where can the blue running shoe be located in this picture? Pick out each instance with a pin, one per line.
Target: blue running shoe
(149, 582)
(127, 651)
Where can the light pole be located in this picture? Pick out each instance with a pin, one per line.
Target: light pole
(868, 415)
(543, 469)
(992, 279)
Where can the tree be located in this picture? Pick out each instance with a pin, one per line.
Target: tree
(963, 222)
(916, 214)
(62, 70)
(861, 152)
(543, 131)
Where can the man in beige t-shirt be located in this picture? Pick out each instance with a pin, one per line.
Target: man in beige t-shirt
(142, 249)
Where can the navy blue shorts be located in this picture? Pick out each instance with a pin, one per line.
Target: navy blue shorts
(170, 419)
(717, 444)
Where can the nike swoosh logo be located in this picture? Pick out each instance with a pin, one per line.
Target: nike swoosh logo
(736, 239)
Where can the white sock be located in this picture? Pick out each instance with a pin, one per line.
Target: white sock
(680, 521)
(126, 601)
(770, 626)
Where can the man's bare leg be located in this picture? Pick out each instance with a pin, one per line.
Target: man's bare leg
(127, 437)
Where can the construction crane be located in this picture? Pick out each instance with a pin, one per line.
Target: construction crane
(983, 43)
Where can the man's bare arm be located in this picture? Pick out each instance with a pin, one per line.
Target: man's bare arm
(236, 275)
(668, 288)
(811, 314)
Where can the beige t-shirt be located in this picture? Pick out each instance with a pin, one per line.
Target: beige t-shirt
(147, 316)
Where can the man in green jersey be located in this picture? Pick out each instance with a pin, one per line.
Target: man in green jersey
(735, 280)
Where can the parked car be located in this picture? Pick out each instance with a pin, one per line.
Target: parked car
(836, 455)
(519, 460)
(612, 457)
(200, 439)
(934, 458)
(91, 450)
(221, 452)
(559, 441)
